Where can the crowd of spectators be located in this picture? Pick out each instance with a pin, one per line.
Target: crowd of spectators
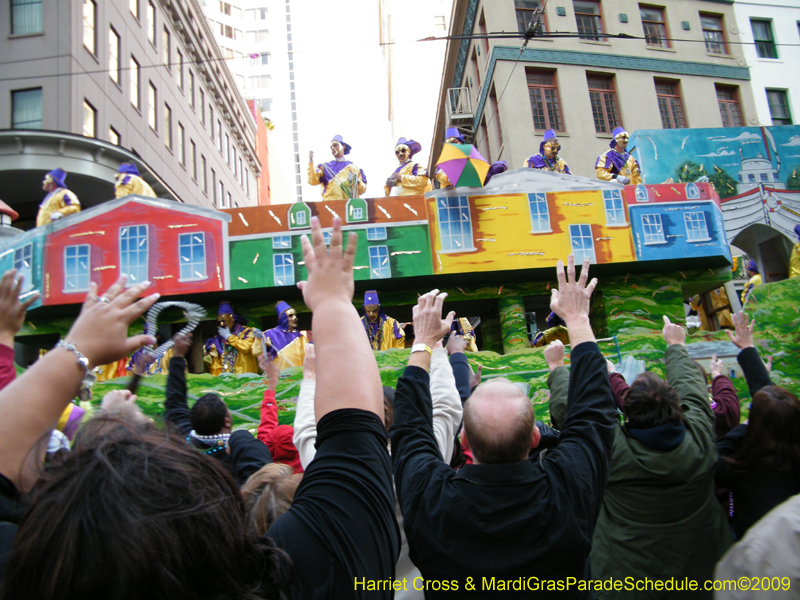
(444, 486)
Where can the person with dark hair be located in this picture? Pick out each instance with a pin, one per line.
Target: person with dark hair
(208, 425)
(537, 515)
(659, 517)
(139, 515)
(759, 461)
(32, 403)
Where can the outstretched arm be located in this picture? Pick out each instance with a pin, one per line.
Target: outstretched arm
(32, 404)
(346, 371)
(755, 372)
(176, 409)
(12, 316)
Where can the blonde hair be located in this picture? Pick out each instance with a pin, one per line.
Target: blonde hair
(267, 494)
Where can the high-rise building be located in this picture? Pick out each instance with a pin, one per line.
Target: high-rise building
(773, 30)
(255, 37)
(587, 67)
(92, 84)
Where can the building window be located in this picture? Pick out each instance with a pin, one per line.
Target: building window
(379, 267)
(26, 109)
(374, 234)
(230, 202)
(234, 161)
(283, 269)
(76, 268)
(192, 255)
(26, 16)
(180, 68)
(455, 224)
(181, 142)
(476, 68)
(669, 104)
(167, 48)
(151, 22)
(582, 243)
(654, 25)
(113, 55)
(615, 211)
(326, 237)
(219, 136)
(202, 107)
(134, 70)
(729, 109)
(133, 253)
(191, 88)
(438, 23)
(282, 242)
(89, 120)
(653, 230)
(589, 19)
(603, 97)
(525, 10)
(762, 35)
(193, 159)
(151, 106)
(211, 120)
(23, 263)
(696, 230)
(113, 136)
(257, 36)
(89, 25)
(256, 14)
(358, 212)
(134, 6)
(779, 107)
(540, 214)
(214, 187)
(167, 126)
(227, 150)
(714, 34)
(203, 173)
(301, 218)
(545, 102)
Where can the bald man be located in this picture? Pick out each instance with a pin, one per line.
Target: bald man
(505, 520)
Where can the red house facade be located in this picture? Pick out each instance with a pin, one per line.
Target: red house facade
(180, 249)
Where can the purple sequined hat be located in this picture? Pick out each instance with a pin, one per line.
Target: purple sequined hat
(128, 169)
(58, 176)
(752, 266)
(225, 308)
(548, 135)
(453, 132)
(371, 297)
(338, 138)
(281, 307)
(413, 146)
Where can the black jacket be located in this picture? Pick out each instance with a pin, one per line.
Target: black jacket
(247, 454)
(526, 521)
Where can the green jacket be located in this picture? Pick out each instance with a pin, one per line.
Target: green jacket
(659, 518)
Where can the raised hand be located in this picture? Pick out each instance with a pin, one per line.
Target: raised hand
(429, 327)
(554, 354)
(181, 344)
(571, 299)
(743, 335)
(455, 344)
(100, 332)
(330, 271)
(12, 311)
(716, 367)
(673, 334)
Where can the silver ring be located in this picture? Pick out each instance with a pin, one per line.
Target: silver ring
(104, 299)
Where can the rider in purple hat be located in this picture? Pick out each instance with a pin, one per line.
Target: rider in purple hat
(409, 178)
(617, 164)
(548, 159)
(337, 177)
(59, 201)
(128, 181)
(285, 342)
(794, 260)
(235, 348)
(383, 331)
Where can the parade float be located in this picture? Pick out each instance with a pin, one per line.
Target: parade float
(493, 249)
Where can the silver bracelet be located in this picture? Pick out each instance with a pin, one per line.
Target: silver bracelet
(82, 360)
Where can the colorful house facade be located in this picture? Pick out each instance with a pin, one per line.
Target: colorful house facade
(181, 249)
